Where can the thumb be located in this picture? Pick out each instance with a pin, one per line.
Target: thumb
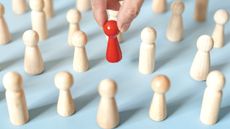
(127, 13)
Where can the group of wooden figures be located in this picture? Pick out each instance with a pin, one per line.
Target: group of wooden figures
(108, 114)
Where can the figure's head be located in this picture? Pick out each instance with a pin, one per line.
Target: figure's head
(107, 88)
(178, 7)
(79, 39)
(30, 38)
(110, 28)
(161, 84)
(36, 5)
(205, 43)
(63, 80)
(12, 81)
(73, 16)
(215, 80)
(221, 16)
(148, 35)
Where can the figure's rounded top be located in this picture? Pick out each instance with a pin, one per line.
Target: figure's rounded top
(12, 81)
(30, 38)
(215, 80)
(73, 16)
(148, 35)
(107, 88)
(221, 16)
(178, 6)
(79, 39)
(2, 10)
(205, 43)
(160, 84)
(63, 80)
(110, 28)
(36, 5)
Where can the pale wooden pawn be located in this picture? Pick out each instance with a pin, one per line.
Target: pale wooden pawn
(201, 62)
(158, 109)
(83, 5)
(19, 6)
(48, 9)
(112, 15)
(5, 35)
(65, 105)
(147, 51)
(15, 98)
(175, 28)
(107, 114)
(212, 98)
(38, 18)
(80, 61)
(33, 62)
(201, 7)
(159, 6)
(73, 17)
(221, 17)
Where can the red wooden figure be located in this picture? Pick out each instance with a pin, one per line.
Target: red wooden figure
(113, 52)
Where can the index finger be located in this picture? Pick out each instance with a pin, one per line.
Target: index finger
(99, 11)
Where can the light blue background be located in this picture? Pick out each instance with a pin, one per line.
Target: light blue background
(134, 91)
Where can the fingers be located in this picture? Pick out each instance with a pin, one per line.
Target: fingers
(113, 5)
(99, 11)
(128, 11)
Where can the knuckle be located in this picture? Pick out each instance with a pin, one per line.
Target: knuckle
(132, 12)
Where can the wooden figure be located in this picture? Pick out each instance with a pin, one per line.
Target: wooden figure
(175, 28)
(212, 98)
(19, 6)
(158, 108)
(83, 5)
(201, 7)
(15, 98)
(221, 17)
(107, 115)
(147, 50)
(159, 6)
(38, 18)
(33, 62)
(113, 51)
(5, 36)
(80, 62)
(65, 105)
(73, 17)
(48, 9)
(201, 62)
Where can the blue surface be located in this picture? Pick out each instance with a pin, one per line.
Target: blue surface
(134, 91)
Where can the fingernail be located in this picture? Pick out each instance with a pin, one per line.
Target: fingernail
(124, 27)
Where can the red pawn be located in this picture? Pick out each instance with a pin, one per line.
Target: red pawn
(113, 52)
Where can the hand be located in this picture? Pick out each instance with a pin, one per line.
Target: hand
(126, 12)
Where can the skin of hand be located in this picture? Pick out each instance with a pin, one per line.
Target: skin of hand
(126, 12)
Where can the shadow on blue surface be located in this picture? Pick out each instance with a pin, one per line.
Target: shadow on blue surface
(11, 61)
(83, 100)
(126, 115)
(220, 67)
(96, 61)
(58, 29)
(1, 95)
(18, 34)
(227, 38)
(224, 112)
(34, 113)
(177, 104)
